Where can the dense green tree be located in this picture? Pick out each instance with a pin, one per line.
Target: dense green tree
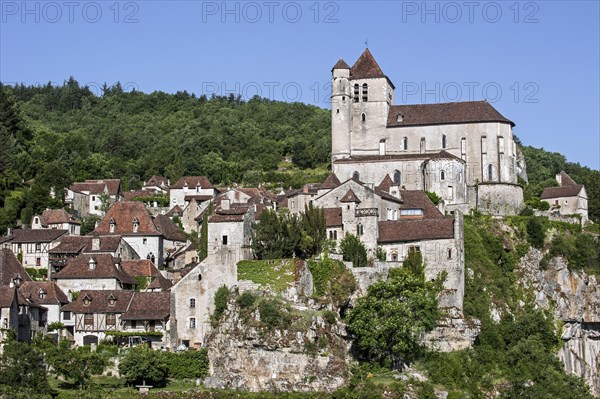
(77, 364)
(22, 366)
(388, 322)
(143, 365)
(353, 250)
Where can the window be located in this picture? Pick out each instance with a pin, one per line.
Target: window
(411, 212)
(192, 322)
(38, 261)
(414, 248)
(133, 323)
(136, 225)
(365, 92)
(93, 198)
(490, 172)
(86, 301)
(356, 176)
(88, 319)
(38, 247)
(397, 177)
(449, 253)
(363, 117)
(399, 118)
(66, 315)
(501, 144)
(459, 176)
(422, 148)
(42, 294)
(144, 241)
(192, 302)
(112, 225)
(356, 92)
(360, 230)
(152, 325)
(443, 141)
(394, 257)
(442, 175)
(405, 143)
(224, 240)
(112, 300)
(463, 148)
(111, 319)
(337, 111)
(483, 144)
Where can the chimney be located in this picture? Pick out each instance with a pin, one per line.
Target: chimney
(9, 231)
(225, 204)
(95, 244)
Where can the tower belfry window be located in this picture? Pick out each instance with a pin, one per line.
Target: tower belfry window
(365, 92)
(356, 92)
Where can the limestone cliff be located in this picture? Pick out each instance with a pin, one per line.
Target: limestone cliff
(574, 297)
(305, 353)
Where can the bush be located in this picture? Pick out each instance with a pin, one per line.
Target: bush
(246, 300)
(332, 280)
(536, 232)
(189, 364)
(330, 316)
(143, 365)
(272, 313)
(221, 298)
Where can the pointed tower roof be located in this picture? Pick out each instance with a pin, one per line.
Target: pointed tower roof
(566, 180)
(350, 197)
(385, 184)
(341, 64)
(367, 68)
(330, 183)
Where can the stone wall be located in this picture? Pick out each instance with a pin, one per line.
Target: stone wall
(500, 199)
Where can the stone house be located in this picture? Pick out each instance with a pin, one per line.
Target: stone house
(191, 187)
(86, 197)
(157, 184)
(9, 312)
(96, 312)
(46, 294)
(569, 198)
(464, 151)
(34, 245)
(96, 272)
(57, 219)
(131, 221)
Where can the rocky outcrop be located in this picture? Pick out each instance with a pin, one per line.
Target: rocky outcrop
(453, 334)
(574, 297)
(245, 355)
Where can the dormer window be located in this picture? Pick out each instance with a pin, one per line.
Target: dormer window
(112, 300)
(17, 280)
(112, 225)
(399, 118)
(87, 300)
(136, 225)
(92, 263)
(41, 294)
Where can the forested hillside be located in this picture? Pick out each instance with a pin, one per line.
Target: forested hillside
(54, 135)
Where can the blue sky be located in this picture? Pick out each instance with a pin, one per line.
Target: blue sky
(536, 61)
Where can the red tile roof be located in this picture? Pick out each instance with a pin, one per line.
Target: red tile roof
(149, 306)
(564, 191)
(415, 230)
(11, 268)
(113, 186)
(100, 301)
(145, 268)
(7, 296)
(169, 230)
(333, 217)
(56, 216)
(157, 181)
(77, 244)
(366, 67)
(417, 199)
(175, 211)
(36, 236)
(192, 181)
(330, 182)
(79, 268)
(385, 184)
(123, 214)
(53, 293)
(444, 113)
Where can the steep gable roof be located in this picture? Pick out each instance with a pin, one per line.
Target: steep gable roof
(157, 181)
(385, 184)
(53, 294)
(350, 197)
(330, 182)
(566, 180)
(145, 268)
(7, 296)
(169, 230)
(79, 268)
(444, 113)
(366, 67)
(175, 211)
(192, 181)
(10, 268)
(341, 64)
(123, 214)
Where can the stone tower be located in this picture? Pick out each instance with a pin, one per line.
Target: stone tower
(340, 110)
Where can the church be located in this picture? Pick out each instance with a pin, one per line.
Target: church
(462, 151)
